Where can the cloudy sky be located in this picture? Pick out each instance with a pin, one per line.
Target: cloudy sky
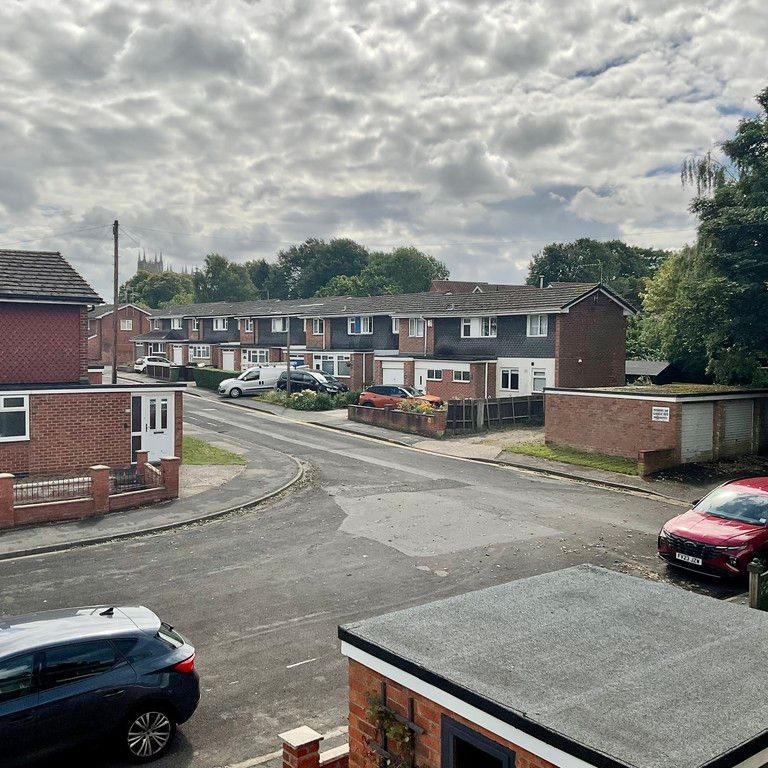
(478, 131)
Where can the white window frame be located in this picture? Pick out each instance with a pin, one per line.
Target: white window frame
(279, 325)
(538, 326)
(416, 327)
(318, 326)
(462, 377)
(249, 325)
(534, 376)
(510, 372)
(395, 326)
(24, 407)
(156, 324)
(126, 324)
(479, 327)
(196, 349)
(156, 348)
(260, 355)
(195, 324)
(489, 327)
(366, 325)
(318, 360)
(432, 374)
(220, 323)
(176, 324)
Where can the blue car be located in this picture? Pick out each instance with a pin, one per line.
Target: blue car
(102, 673)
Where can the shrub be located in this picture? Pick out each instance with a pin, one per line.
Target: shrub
(416, 406)
(343, 399)
(210, 378)
(307, 400)
(274, 396)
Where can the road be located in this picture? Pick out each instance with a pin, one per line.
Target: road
(373, 528)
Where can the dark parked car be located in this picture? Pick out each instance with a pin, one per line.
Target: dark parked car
(317, 381)
(722, 533)
(79, 675)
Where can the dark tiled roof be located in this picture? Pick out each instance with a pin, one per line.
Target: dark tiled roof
(105, 309)
(42, 275)
(161, 335)
(467, 286)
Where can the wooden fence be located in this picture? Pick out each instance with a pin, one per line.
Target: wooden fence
(492, 413)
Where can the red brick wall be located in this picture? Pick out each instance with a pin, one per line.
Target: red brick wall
(178, 415)
(415, 346)
(318, 342)
(364, 682)
(449, 389)
(248, 338)
(613, 426)
(126, 350)
(595, 332)
(43, 343)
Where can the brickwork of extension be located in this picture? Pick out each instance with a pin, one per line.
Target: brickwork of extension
(364, 683)
(126, 351)
(475, 388)
(613, 426)
(593, 332)
(249, 338)
(43, 343)
(415, 345)
(321, 341)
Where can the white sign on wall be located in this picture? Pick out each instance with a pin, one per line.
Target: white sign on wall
(660, 414)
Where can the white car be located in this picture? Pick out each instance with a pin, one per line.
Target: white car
(251, 381)
(140, 366)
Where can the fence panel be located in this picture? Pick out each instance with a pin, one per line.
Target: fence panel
(492, 413)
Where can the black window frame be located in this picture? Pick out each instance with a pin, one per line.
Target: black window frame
(451, 729)
(44, 684)
(33, 680)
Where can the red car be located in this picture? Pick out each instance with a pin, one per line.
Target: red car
(723, 532)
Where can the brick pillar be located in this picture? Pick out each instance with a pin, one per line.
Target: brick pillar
(100, 489)
(142, 458)
(170, 469)
(6, 500)
(301, 748)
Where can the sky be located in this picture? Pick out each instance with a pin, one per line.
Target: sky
(476, 131)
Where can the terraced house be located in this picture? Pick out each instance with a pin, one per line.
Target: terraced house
(512, 340)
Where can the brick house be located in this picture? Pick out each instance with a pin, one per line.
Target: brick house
(52, 419)
(577, 668)
(132, 320)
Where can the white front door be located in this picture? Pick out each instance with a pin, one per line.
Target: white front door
(157, 435)
(228, 359)
(178, 355)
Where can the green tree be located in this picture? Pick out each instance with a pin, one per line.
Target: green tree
(713, 305)
(622, 267)
(222, 280)
(259, 271)
(155, 289)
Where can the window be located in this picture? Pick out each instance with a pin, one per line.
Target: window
(195, 324)
(395, 326)
(156, 349)
(318, 326)
(333, 365)
(67, 663)
(15, 677)
(434, 374)
(176, 323)
(415, 326)
(539, 381)
(461, 747)
(279, 325)
(462, 376)
(220, 324)
(126, 325)
(510, 379)
(245, 324)
(199, 352)
(14, 418)
(478, 327)
(537, 325)
(156, 325)
(360, 325)
(255, 356)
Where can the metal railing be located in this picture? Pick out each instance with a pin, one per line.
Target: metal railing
(42, 488)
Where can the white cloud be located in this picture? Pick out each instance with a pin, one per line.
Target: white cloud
(480, 130)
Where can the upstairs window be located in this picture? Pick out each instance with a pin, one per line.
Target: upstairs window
(156, 324)
(195, 324)
(415, 327)
(395, 326)
(126, 325)
(360, 325)
(220, 324)
(478, 327)
(537, 325)
(14, 418)
(245, 324)
(279, 325)
(318, 326)
(176, 323)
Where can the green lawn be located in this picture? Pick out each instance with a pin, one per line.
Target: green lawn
(196, 451)
(572, 456)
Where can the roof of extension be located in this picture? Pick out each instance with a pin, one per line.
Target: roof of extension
(158, 334)
(613, 669)
(42, 276)
(467, 286)
(519, 299)
(106, 309)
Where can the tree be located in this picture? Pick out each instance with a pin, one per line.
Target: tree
(222, 280)
(713, 304)
(622, 267)
(259, 271)
(155, 289)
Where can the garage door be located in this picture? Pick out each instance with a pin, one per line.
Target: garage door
(393, 374)
(696, 432)
(737, 430)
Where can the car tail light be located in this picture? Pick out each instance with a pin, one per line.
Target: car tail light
(185, 666)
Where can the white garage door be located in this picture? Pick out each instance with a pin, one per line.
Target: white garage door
(393, 374)
(696, 432)
(737, 431)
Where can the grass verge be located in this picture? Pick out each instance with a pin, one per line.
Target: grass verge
(572, 456)
(196, 451)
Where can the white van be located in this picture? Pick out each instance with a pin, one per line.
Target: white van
(251, 381)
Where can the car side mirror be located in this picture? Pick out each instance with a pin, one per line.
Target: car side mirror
(695, 502)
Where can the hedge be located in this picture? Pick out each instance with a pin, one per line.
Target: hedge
(210, 378)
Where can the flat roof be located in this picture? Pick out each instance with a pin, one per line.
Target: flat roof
(613, 669)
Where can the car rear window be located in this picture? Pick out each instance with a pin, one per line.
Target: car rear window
(167, 633)
(138, 649)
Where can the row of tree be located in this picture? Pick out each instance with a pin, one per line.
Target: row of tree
(314, 268)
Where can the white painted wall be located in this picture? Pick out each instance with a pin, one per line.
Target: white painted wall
(525, 366)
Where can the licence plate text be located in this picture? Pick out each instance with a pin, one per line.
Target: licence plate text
(688, 558)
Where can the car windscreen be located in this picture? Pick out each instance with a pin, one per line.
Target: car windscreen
(747, 505)
(411, 391)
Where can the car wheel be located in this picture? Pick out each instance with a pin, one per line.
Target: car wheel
(148, 733)
(367, 404)
(235, 392)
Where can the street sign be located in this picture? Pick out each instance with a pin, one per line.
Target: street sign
(659, 414)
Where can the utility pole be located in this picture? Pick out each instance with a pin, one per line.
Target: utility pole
(288, 356)
(115, 306)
